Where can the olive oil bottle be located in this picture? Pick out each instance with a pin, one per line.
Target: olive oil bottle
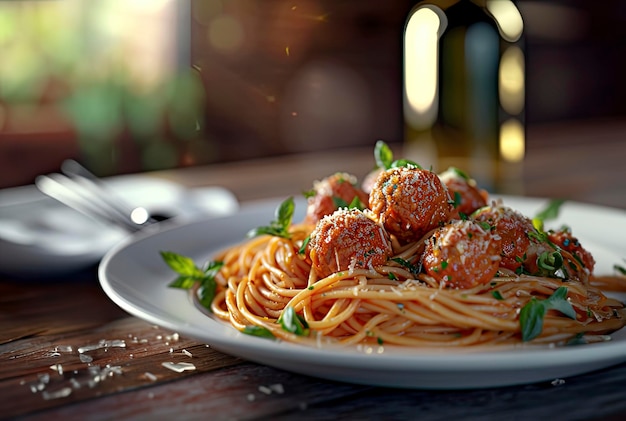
(464, 89)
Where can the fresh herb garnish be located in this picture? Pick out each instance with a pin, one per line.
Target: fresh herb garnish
(551, 211)
(279, 227)
(309, 193)
(293, 322)
(541, 237)
(460, 173)
(550, 263)
(497, 295)
(405, 163)
(383, 155)
(579, 339)
(305, 243)
(414, 269)
(456, 202)
(620, 269)
(354, 204)
(485, 225)
(261, 332)
(532, 314)
(189, 275)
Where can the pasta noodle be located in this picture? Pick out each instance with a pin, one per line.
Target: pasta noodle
(267, 274)
(425, 261)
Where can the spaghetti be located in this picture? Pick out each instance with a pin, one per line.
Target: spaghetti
(390, 305)
(425, 262)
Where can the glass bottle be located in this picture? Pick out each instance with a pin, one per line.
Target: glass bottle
(464, 89)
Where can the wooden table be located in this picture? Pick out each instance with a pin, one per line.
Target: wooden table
(43, 323)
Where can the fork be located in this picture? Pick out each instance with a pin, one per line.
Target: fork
(79, 189)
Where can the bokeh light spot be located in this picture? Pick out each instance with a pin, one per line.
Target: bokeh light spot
(226, 33)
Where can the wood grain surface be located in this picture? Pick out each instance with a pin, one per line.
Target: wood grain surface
(45, 324)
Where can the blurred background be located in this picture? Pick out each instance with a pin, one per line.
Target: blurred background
(138, 85)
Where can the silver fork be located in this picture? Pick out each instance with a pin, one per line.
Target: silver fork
(79, 189)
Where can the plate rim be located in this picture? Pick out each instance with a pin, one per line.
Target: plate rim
(426, 359)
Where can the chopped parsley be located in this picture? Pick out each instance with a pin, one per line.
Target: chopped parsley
(456, 202)
(497, 295)
(414, 269)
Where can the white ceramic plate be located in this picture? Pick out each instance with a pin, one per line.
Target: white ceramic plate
(42, 237)
(134, 276)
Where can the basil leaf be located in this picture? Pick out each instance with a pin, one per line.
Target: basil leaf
(206, 292)
(261, 332)
(558, 301)
(183, 282)
(383, 155)
(531, 319)
(213, 267)
(305, 243)
(190, 275)
(180, 264)
(549, 263)
(266, 230)
(342, 204)
(292, 322)
(457, 200)
(284, 213)
(279, 227)
(532, 314)
(405, 163)
(460, 173)
(339, 202)
(551, 211)
(356, 204)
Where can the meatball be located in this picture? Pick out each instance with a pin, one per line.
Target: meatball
(330, 193)
(462, 254)
(566, 241)
(471, 196)
(410, 202)
(521, 243)
(347, 239)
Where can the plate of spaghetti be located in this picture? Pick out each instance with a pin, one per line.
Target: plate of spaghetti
(406, 279)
